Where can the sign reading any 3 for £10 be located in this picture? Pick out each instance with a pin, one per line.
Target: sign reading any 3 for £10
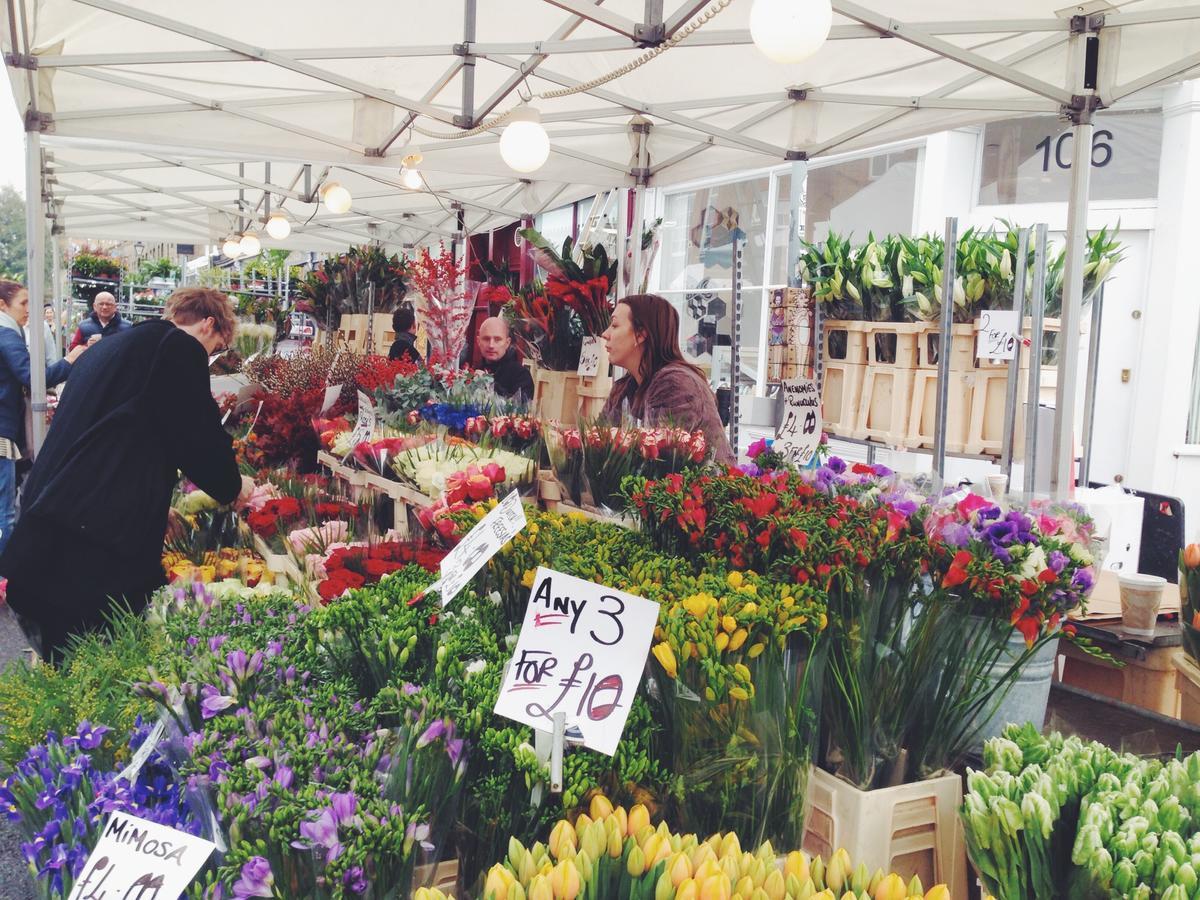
(581, 652)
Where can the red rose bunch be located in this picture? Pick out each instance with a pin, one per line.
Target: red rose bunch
(474, 483)
(347, 568)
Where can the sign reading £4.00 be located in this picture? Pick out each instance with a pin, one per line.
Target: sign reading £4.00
(799, 433)
(581, 652)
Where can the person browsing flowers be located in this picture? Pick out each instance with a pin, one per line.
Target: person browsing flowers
(661, 387)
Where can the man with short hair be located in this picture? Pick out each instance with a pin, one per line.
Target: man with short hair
(511, 378)
(404, 324)
(138, 413)
(104, 321)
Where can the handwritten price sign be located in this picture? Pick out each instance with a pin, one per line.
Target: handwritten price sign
(581, 652)
(481, 543)
(589, 358)
(799, 433)
(140, 860)
(999, 334)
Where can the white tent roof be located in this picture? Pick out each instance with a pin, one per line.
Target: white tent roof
(149, 106)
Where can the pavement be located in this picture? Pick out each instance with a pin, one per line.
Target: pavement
(15, 881)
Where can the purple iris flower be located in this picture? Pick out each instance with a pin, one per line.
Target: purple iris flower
(90, 737)
(256, 880)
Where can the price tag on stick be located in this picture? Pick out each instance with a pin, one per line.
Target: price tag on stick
(799, 433)
(581, 653)
(999, 334)
(589, 358)
(479, 545)
(136, 858)
(332, 392)
(364, 426)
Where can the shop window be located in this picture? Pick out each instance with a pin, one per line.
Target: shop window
(870, 194)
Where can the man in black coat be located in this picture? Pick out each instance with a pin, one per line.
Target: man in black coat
(511, 378)
(94, 508)
(404, 323)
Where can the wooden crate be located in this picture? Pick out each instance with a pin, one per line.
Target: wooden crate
(985, 430)
(893, 344)
(884, 409)
(1049, 326)
(849, 341)
(841, 395)
(922, 413)
(566, 398)
(352, 333)
(962, 351)
(910, 829)
(284, 570)
(1187, 682)
(1150, 683)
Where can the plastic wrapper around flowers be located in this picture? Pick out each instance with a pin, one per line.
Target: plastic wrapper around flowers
(1189, 598)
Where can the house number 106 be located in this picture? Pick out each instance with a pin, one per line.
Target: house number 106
(1102, 149)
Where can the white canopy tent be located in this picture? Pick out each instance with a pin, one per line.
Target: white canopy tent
(158, 117)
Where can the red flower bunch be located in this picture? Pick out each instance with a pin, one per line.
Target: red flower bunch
(273, 516)
(439, 519)
(474, 483)
(347, 568)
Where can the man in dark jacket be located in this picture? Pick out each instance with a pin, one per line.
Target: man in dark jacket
(404, 323)
(95, 505)
(103, 322)
(500, 359)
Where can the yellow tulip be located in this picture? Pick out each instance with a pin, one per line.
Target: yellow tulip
(738, 638)
(564, 881)
(703, 852)
(876, 880)
(516, 851)
(807, 889)
(744, 887)
(914, 887)
(584, 866)
(527, 869)
(497, 883)
(891, 888)
(849, 895)
(730, 844)
(835, 874)
(601, 807)
(938, 892)
(860, 879)
(717, 887)
(563, 836)
(663, 888)
(796, 863)
(775, 885)
(539, 889)
(635, 863)
(707, 870)
(582, 821)
(616, 842)
(731, 866)
(679, 867)
(661, 845)
(621, 817)
(666, 657)
(688, 890)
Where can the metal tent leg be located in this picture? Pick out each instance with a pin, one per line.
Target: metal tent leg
(35, 280)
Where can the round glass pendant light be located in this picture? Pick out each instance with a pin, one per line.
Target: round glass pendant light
(278, 226)
(232, 248)
(790, 31)
(410, 176)
(337, 198)
(250, 244)
(524, 144)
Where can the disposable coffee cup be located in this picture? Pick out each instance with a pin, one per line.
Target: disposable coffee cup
(997, 484)
(1141, 596)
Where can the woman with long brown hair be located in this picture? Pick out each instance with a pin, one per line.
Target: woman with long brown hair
(661, 388)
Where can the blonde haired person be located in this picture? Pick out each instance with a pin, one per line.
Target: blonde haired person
(94, 508)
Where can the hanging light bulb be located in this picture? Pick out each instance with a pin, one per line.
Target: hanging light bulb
(524, 144)
(337, 198)
(278, 226)
(250, 244)
(232, 248)
(790, 31)
(410, 177)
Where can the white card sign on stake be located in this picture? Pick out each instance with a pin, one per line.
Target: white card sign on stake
(136, 858)
(364, 426)
(589, 358)
(581, 652)
(479, 545)
(799, 433)
(999, 334)
(332, 392)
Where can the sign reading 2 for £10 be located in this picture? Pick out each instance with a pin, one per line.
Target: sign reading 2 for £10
(581, 652)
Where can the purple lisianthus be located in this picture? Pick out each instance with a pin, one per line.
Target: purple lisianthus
(256, 880)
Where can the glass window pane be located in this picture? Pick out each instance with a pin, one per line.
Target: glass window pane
(555, 225)
(872, 194)
(1029, 160)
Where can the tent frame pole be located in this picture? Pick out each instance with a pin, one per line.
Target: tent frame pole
(35, 274)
